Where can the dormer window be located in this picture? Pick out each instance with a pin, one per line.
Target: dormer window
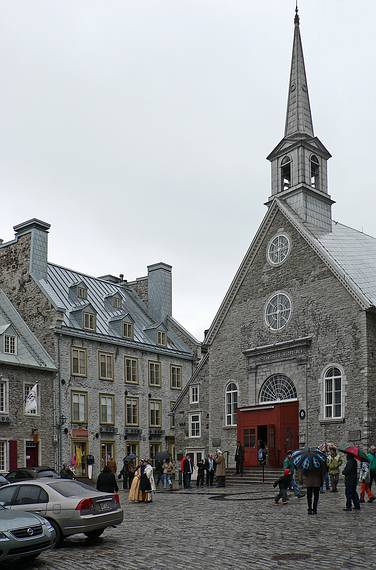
(89, 322)
(285, 173)
(161, 338)
(315, 170)
(116, 302)
(127, 329)
(10, 344)
(82, 292)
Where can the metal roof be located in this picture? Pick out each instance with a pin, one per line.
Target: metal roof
(58, 288)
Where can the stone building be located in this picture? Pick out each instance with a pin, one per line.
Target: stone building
(27, 435)
(122, 358)
(291, 353)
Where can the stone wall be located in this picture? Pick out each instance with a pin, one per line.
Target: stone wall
(21, 425)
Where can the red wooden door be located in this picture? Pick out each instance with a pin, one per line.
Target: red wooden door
(31, 454)
(271, 444)
(249, 441)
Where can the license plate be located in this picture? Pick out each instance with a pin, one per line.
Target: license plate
(105, 506)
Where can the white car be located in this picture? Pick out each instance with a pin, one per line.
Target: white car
(70, 506)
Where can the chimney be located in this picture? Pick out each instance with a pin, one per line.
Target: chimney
(38, 247)
(159, 291)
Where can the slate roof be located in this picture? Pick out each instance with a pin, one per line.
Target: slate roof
(60, 280)
(30, 352)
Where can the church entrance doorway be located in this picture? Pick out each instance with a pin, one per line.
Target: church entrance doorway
(275, 426)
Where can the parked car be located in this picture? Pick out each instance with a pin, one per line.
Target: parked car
(26, 473)
(23, 535)
(70, 506)
(3, 481)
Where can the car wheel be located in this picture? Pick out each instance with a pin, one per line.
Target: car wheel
(95, 533)
(58, 534)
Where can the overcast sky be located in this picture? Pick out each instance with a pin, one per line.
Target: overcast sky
(139, 128)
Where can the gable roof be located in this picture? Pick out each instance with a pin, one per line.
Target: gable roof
(59, 281)
(30, 352)
(192, 380)
(349, 254)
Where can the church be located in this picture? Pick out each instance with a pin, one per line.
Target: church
(290, 357)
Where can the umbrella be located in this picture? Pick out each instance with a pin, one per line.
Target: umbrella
(130, 457)
(358, 453)
(162, 455)
(308, 458)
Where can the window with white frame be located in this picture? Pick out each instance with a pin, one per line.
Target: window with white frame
(106, 366)
(10, 344)
(131, 411)
(128, 330)
(79, 361)
(231, 403)
(175, 377)
(131, 370)
(155, 411)
(194, 394)
(195, 425)
(4, 397)
(82, 292)
(27, 388)
(333, 393)
(154, 374)
(116, 302)
(4, 446)
(79, 407)
(162, 338)
(106, 408)
(89, 321)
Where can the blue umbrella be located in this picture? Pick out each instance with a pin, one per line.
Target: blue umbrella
(308, 458)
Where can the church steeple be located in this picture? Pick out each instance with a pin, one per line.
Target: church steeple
(299, 161)
(298, 116)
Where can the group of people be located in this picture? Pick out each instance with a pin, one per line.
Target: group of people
(327, 477)
(213, 465)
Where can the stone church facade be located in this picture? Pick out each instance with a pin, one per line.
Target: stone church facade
(290, 355)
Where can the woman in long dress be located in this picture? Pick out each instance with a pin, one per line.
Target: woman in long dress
(147, 484)
(135, 494)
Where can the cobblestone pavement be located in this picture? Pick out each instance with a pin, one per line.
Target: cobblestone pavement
(237, 527)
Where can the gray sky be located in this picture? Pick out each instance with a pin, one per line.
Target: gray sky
(139, 128)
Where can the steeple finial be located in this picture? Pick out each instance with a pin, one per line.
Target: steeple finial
(296, 19)
(298, 117)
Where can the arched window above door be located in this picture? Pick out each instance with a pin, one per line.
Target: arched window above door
(277, 388)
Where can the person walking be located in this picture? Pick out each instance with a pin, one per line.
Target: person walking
(334, 464)
(220, 472)
(106, 481)
(187, 471)
(239, 458)
(200, 473)
(283, 484)
(147, 484)
(111, 463)
(351, 480)
(168, 469)
(123, 474)
(210, 466)
(364, 479)
(313, 479)
(372, 464)
(288, 464)
(159, 471)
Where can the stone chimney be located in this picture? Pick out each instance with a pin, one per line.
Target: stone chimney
(159, 291)
(39, 245)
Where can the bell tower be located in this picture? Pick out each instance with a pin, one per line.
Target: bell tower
(299, 161)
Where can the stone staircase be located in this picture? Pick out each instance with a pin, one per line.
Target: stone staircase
(253, 475)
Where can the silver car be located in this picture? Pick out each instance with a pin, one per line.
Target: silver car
(23, 535)
(70, 506)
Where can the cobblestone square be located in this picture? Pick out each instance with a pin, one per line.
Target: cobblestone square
(236, 527)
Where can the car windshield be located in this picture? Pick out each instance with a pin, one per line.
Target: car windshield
(69, 488)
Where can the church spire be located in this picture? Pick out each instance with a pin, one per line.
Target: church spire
(298, 116)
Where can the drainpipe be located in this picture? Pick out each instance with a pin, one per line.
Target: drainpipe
(60, 442)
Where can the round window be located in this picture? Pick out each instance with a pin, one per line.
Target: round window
(278, 249)
(278, 311)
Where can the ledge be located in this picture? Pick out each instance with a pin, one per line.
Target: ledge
(332, 421)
